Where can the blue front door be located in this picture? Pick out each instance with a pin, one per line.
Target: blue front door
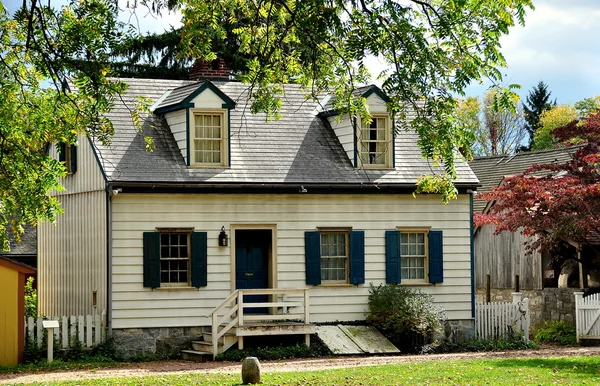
(252, 264)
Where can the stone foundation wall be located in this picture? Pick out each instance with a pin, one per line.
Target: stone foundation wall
(155, 341)
(545, 305)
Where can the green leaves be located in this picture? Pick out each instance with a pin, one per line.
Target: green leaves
(433, 50)
(40, 49)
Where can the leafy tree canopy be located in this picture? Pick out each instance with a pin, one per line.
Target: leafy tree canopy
(39, 48)
(496, 131)
(559, 116)
(434, 49)
(554, 202)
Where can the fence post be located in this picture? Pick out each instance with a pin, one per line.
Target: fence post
(517, 299)
(578, 299)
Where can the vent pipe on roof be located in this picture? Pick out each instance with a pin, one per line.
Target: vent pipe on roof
(215, 70)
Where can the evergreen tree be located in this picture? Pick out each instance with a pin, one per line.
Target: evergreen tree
(537, 102)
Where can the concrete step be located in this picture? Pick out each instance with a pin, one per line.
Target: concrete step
(196, 356)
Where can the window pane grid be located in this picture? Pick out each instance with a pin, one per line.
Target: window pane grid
(174, 258)
(374, 142)
(412, 250)
(207, 138)
(334, 257)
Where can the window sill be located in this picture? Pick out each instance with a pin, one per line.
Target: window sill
(417, 283)
(209, 166)
(337, 285)
(175, 289)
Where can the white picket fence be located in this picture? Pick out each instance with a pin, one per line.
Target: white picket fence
(587, 316)
(497, 320)
(90, 330)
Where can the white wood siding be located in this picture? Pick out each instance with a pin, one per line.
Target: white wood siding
(88, 176)
(344, 129)
(177, 123)
(376, 104)
(207, 99)
(72, 253)
(72, 257)
(135, 306)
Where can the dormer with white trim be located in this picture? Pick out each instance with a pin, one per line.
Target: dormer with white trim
(368, 145)
(198, 115)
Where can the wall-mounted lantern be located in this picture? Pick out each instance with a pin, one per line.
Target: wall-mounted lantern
(223, 238)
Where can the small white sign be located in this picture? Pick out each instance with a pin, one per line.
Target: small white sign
(50, 323)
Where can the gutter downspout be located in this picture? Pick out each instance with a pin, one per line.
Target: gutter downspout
(108, 261)
(472, 250)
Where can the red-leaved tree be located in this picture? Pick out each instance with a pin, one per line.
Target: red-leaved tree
(554, 203)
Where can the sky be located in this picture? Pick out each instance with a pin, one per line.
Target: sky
(558, 45)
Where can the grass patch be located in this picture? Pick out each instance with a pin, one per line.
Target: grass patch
(57, 365)
(539, 371)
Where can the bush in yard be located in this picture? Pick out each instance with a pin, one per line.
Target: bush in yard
(406, 316)
(30, 299)
(556, 331)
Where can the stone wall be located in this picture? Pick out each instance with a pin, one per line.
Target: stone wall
(155, 341)
(545, 305)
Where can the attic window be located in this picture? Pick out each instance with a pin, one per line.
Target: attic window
(209, 146)
(375, 140)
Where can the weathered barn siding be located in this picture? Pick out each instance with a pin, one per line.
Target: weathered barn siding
(502, 257)
(72, 253)
(134, 306)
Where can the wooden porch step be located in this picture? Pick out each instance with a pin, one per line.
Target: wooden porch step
(274, 328)
(196, 356)
(204, 346)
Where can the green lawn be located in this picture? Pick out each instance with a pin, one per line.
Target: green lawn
(548, 371)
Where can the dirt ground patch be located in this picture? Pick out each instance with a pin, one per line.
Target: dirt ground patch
(180, 367)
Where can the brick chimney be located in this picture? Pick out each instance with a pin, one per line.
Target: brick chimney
(215, 70)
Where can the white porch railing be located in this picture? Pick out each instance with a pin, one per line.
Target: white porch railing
(497, 320)
(587, 316)
(90, 330)
(284, 304)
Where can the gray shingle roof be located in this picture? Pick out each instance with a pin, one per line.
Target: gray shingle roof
(299, 148)
(178, 95)
(28, 244)
(492, 170)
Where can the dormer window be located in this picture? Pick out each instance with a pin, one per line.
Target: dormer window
(375, 143)
(209, 146)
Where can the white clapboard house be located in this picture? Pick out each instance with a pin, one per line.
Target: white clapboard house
(300, 215)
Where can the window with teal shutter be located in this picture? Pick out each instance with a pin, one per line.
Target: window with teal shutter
(357, 257)
(436, 257)
(335, 257)
(392, 257)
(152, 259)
(199, 259)
(175, 258)
(312, 255)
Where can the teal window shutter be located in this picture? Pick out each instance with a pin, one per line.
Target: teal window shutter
(199, 259)
(357, 257)
(436, 257)
(61, 148)
(73, 167)
(312, 254)
(152, 259)
(392, 257)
